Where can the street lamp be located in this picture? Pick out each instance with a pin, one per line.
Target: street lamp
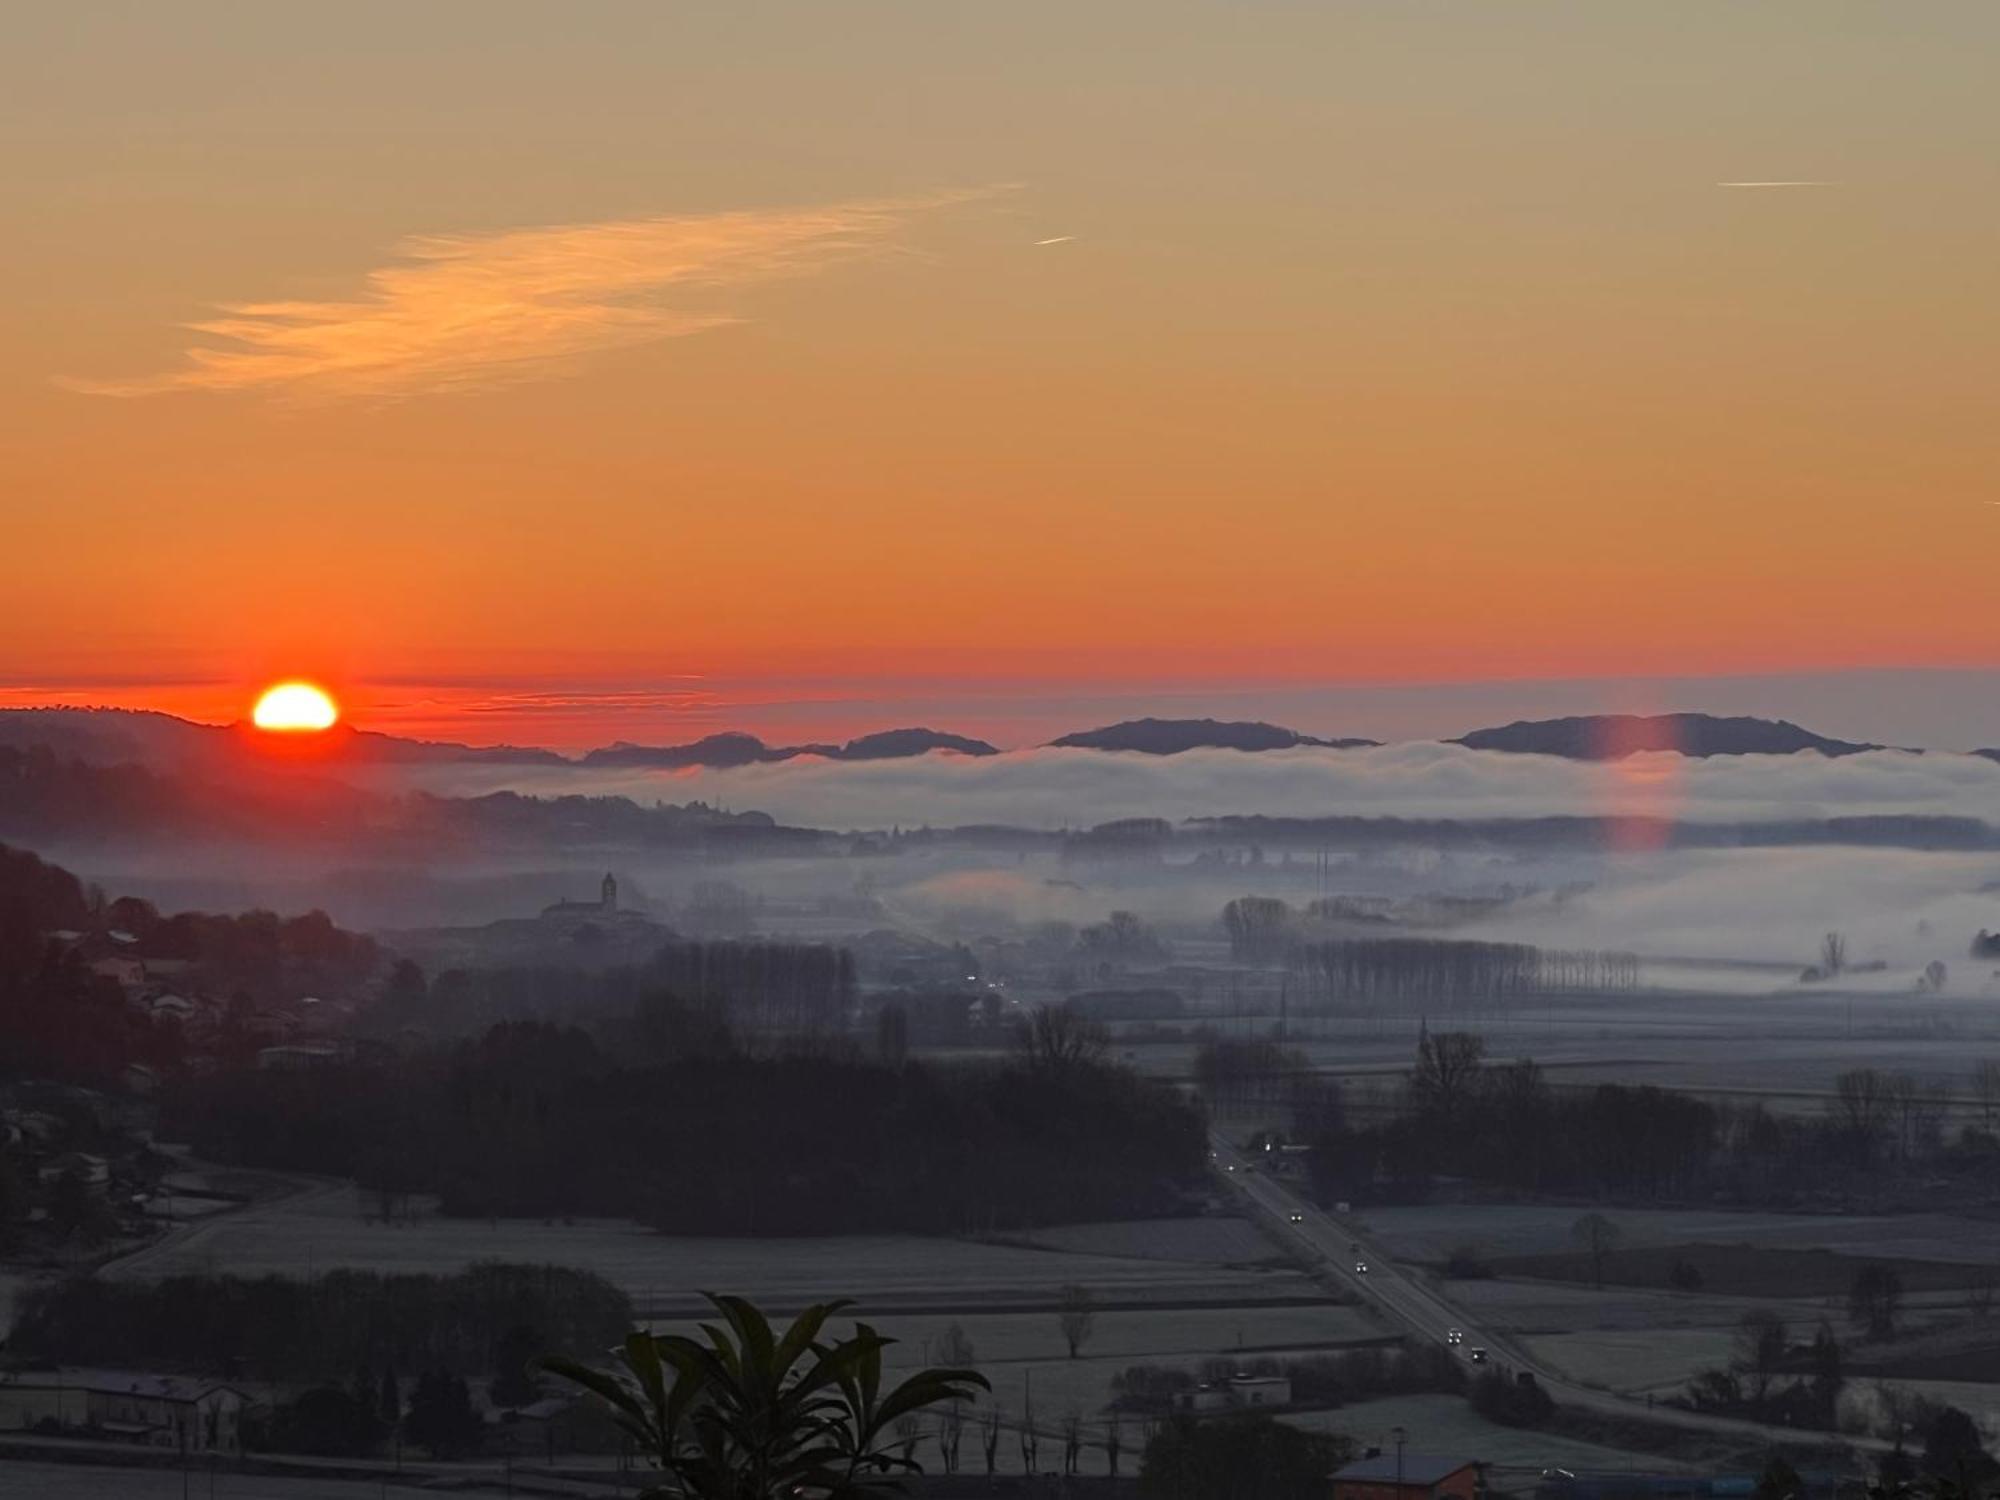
(1401, 1437)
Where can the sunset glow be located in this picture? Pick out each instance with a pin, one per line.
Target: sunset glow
(295, 708)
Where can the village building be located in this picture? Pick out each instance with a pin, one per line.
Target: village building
(604, 908)
(1238, 1393)
(1408, 1476)
(186, 1413)
(296, 1057)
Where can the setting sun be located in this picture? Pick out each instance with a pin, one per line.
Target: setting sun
(295, 708)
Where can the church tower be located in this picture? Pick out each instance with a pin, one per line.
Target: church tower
(609, 900)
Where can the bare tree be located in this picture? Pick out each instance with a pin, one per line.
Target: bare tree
(1832, 954)
(1447, 1069)
(1057, 1038)
(1114, 1440)
(1979, 1294)
(1898, 1405)
(1860, 1106)
(1762, 1341)
(1935, 977)
(989, 1438)
(1600, 1237)
(1986, 1088)
(1072, 1431)
(950, 1433)
(1076, 1312)
(1874, 1299)
(954, 1350)
(909, 1430)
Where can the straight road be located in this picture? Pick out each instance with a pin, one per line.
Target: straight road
(1406, 1298)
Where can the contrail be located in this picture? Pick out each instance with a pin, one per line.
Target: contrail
(1794, 182)
(1061, 239)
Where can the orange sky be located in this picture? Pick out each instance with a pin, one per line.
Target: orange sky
(1380, 343)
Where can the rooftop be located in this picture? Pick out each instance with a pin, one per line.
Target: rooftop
(1415, 1468)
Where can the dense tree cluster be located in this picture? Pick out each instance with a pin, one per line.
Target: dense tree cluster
(710, 1139)
(1253, 1074)
(1453, 972)
(282, 1328)
(1506, 1126)
(1773, 1379)
(793, 988)
(761, 986)
(1239, 1458)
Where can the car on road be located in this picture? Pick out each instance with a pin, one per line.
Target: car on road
(1476, 1354)
(1361, 1268)
(1298, 1218)
(1454, 1335)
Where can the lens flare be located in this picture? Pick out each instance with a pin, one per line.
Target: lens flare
(295, 708)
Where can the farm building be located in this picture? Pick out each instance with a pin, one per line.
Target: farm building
(161, 1411)
(1408, 1476)
(1238, 1393)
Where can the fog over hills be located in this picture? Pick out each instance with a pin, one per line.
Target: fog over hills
(738, 749)
(111, 736)
(1614, 736)
(1174, 736)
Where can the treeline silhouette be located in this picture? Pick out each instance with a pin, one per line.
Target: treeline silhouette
(1881, 1139)
(1389, 970)
(291, 1329)
(536, 1119)
(46, 794)
(761, 986)
(1454, 972)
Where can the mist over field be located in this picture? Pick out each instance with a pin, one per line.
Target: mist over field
(1899, 907)
(1051, 788)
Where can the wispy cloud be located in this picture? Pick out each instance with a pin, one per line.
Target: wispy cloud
(468, 311)
(1060, 239)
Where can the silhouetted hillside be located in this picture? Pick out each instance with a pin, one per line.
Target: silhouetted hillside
(49, 797)
(1989, 754)
(737, 749)
(1172, 736)
(118, 736)
(893, 744)
(1613, 736)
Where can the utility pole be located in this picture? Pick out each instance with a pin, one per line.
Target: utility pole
(1401, 1437)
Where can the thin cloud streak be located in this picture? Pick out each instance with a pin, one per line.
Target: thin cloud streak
(474, 311)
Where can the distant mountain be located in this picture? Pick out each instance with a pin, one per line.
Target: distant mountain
(730, 749)
(735, 749)
(119, 736)
(1172, 736)
(895, 744)
(1989, 754)
(1614, 736)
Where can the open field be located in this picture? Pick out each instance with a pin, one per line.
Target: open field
(327, 1227)
(1429, 1233)
(1741, 1270)
(1446, 1424)
(1681, 1039)
(1654, 1360)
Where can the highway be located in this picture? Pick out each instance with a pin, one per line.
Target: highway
(1335, 1245)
